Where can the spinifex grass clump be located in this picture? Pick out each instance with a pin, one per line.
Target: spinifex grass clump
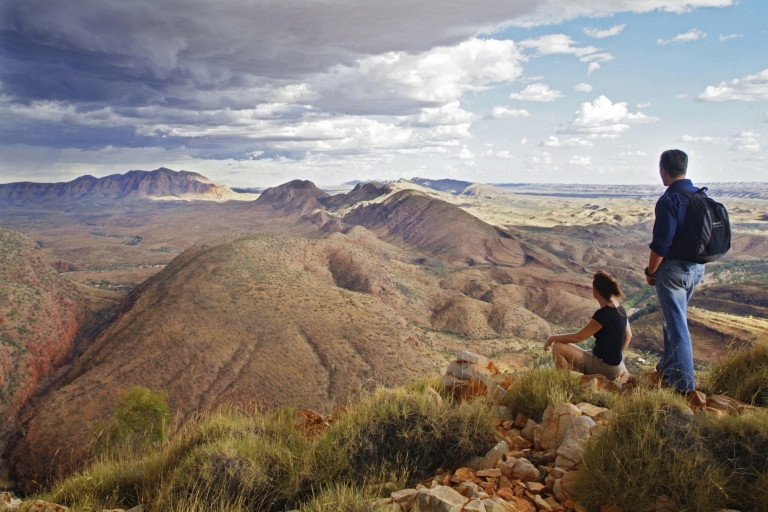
(405, 433)
(538, 389)
(742, 375)
(740, 445)
(653, 447)
(262, 467)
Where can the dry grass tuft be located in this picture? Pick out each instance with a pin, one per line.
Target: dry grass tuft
(742, 375)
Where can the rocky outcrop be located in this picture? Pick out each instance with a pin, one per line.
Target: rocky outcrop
(295, 197)
(40, 314)
(160, 183)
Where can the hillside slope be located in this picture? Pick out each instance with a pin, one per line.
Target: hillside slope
(40, 314)
(257, 320)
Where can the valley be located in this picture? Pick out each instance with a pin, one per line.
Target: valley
(304, 298)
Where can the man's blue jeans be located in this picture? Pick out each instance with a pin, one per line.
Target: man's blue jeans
(675, 281)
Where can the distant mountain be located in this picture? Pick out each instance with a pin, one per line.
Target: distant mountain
(438, 228)
(444, 185)
(297, 196)
(162, 183)
(362, 192)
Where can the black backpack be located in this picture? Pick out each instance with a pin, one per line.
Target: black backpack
(706, 233)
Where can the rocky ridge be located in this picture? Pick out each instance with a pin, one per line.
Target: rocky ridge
(161, 183)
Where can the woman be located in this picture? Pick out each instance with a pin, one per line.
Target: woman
(609, 326)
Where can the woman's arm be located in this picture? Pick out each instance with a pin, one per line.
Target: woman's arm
(575, 337)
(627, 337)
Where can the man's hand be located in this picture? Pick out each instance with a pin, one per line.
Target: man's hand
(651, 280)
(549, 342)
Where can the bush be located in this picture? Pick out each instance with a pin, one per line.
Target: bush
(342, 498)
(262, 467)
(538, 389)
(403, 433)
(140, 420)
(652, 448)
(742, 375)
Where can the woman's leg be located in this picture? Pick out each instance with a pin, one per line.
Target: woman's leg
(568, 356)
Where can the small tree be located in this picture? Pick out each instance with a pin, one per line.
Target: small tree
(140, 421)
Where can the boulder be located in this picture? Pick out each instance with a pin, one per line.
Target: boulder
(498, 505)
(527, 432)
(521, 469)
(474, 505)
(8, 503)
(600, 383)
(601, 415)
(521, 420)
(44, 506)
(405, 498)
(541, 504)
(493, 455)
(555, 423)
(575, 441)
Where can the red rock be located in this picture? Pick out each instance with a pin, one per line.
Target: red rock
(463, 475)
(697, 399)
(506, 493)
(536, 487)
(521, 420)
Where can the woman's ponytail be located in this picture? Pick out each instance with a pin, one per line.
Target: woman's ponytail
(606, 285)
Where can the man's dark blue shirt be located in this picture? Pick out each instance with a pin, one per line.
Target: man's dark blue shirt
(670, 213)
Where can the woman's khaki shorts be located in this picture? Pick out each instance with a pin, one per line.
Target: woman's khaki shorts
(593, 365)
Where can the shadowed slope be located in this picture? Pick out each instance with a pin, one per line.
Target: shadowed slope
(433, 226)
(40, 313)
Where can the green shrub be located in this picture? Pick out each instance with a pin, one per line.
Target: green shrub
(140, 420)
(406, 433)
(742, 375)
(652, 448)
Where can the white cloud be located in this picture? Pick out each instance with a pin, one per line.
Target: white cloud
(466, 154)
(580, 160)
(593, 66)
(557, 44)
(450, 113)
(500, 112)
(536, 92)
(540, 158)
(630, 154)
(704, 139)
(600, 34)
(582, 87)
(692, 35)
(643, 105)
(749, 88)
(524, 141)
(745, 141)
(730, 36)
(498, 154)
(682, 96)
(554, 142)
(604, 118)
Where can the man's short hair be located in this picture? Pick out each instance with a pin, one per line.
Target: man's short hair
(675, 162)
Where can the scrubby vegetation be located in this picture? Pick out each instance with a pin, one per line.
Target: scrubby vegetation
(743, 375)
(538, 389)
(233, 461)
(656, 447)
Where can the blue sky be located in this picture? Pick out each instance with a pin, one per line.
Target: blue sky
(253, 93)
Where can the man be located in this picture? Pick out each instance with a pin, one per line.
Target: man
(674, 279)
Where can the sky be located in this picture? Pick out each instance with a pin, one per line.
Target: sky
(254, 93)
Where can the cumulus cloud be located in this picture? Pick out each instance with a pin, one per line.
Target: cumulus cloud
(580, 160)
(557, 44)
(600, 34)
(730, 36)
(749, 88)
(466, 154)
(582, 87)
(703, 139)
(536, 92)
(593, 66)
(554, 142)
(692, 35)
(643, 105)
(498, 154)
(605, 119)
(500, 112)
(745, 141)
